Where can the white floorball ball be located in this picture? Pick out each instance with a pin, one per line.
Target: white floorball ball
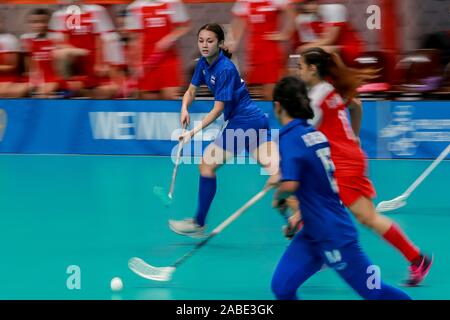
(116, 284)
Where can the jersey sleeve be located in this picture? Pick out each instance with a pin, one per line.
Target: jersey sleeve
(290, 162)
(224, 86)
(103, 22)
(57, 22)
(179, 13)
(333, 14)
(10, 44)
(113, 53)
(133, 20)
(25, 42)
(198, 79)
(290, 166)
(281, 4)
(240, 8)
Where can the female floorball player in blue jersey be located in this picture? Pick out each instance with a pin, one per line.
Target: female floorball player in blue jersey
(328, 235)
(232, 98)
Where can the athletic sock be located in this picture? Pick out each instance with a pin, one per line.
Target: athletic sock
(206, 193)
(399, 240)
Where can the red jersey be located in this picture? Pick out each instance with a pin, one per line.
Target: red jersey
(155, 20)
(40, 51)
(82, 27)
(330, 117)
(8, 44)
(263, 18)
(309, 27)
(349, 40)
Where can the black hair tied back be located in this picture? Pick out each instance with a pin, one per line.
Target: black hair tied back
(292, 94)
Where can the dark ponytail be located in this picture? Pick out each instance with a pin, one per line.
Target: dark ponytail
(346, 80)
(292, 94)
(217, 29)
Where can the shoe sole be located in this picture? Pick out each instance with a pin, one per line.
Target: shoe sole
(187, 234)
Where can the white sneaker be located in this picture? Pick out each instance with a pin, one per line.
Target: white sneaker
(187, 227)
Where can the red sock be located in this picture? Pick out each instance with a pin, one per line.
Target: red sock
(398, 239)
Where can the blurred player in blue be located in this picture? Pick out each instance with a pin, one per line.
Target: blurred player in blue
(328, 235)
(247, 126)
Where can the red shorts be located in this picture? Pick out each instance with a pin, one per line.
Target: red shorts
(353, 187)
(165, 75)
(264, 72)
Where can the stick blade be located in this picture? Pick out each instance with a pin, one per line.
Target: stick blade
(144, 270)
(390, 205)
(162, 195)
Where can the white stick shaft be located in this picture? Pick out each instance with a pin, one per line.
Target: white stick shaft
(177, 162)
(247, 205)
(425, 174)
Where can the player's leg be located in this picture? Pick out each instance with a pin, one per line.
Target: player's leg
(46, 90)
(365, 212)
(169, 93)
(106, 91)
(148, 95)
(4, 89)
(19, 90)
(213, 158)
(353, 265)
(267, 91)
(299, 262)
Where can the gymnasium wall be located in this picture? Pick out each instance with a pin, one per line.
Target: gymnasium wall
(390, 129)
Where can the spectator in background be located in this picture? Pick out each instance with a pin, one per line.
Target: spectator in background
(156, 27)
(114, 78)
(39, 46)
(327, 26)
(9, 65)
(308, 24)
(265, 57)
(83, 30)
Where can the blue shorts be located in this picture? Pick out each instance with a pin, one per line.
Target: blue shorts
(240, 134)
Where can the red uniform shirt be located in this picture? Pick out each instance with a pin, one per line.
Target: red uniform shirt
(83, 29)
(309, 27)
(8, 44)
(349, 40)
(155, 20)
(331, 119)
(262, 19)
(40, 51)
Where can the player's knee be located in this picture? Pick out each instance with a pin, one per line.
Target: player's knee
(207, 170)
(367, 218)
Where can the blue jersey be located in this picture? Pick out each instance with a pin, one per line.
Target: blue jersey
(305, 157)
(225, 83)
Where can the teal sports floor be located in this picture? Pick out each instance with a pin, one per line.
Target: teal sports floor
(96, 212)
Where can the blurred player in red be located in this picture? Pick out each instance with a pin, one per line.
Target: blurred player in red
(83, 27)
(40, 45)
(265, 57)
(9, 65)
(308, 24)
(156, 26)
(114, 77)
(328, 26)
(330, 82)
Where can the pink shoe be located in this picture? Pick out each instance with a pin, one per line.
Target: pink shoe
(418, 271)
